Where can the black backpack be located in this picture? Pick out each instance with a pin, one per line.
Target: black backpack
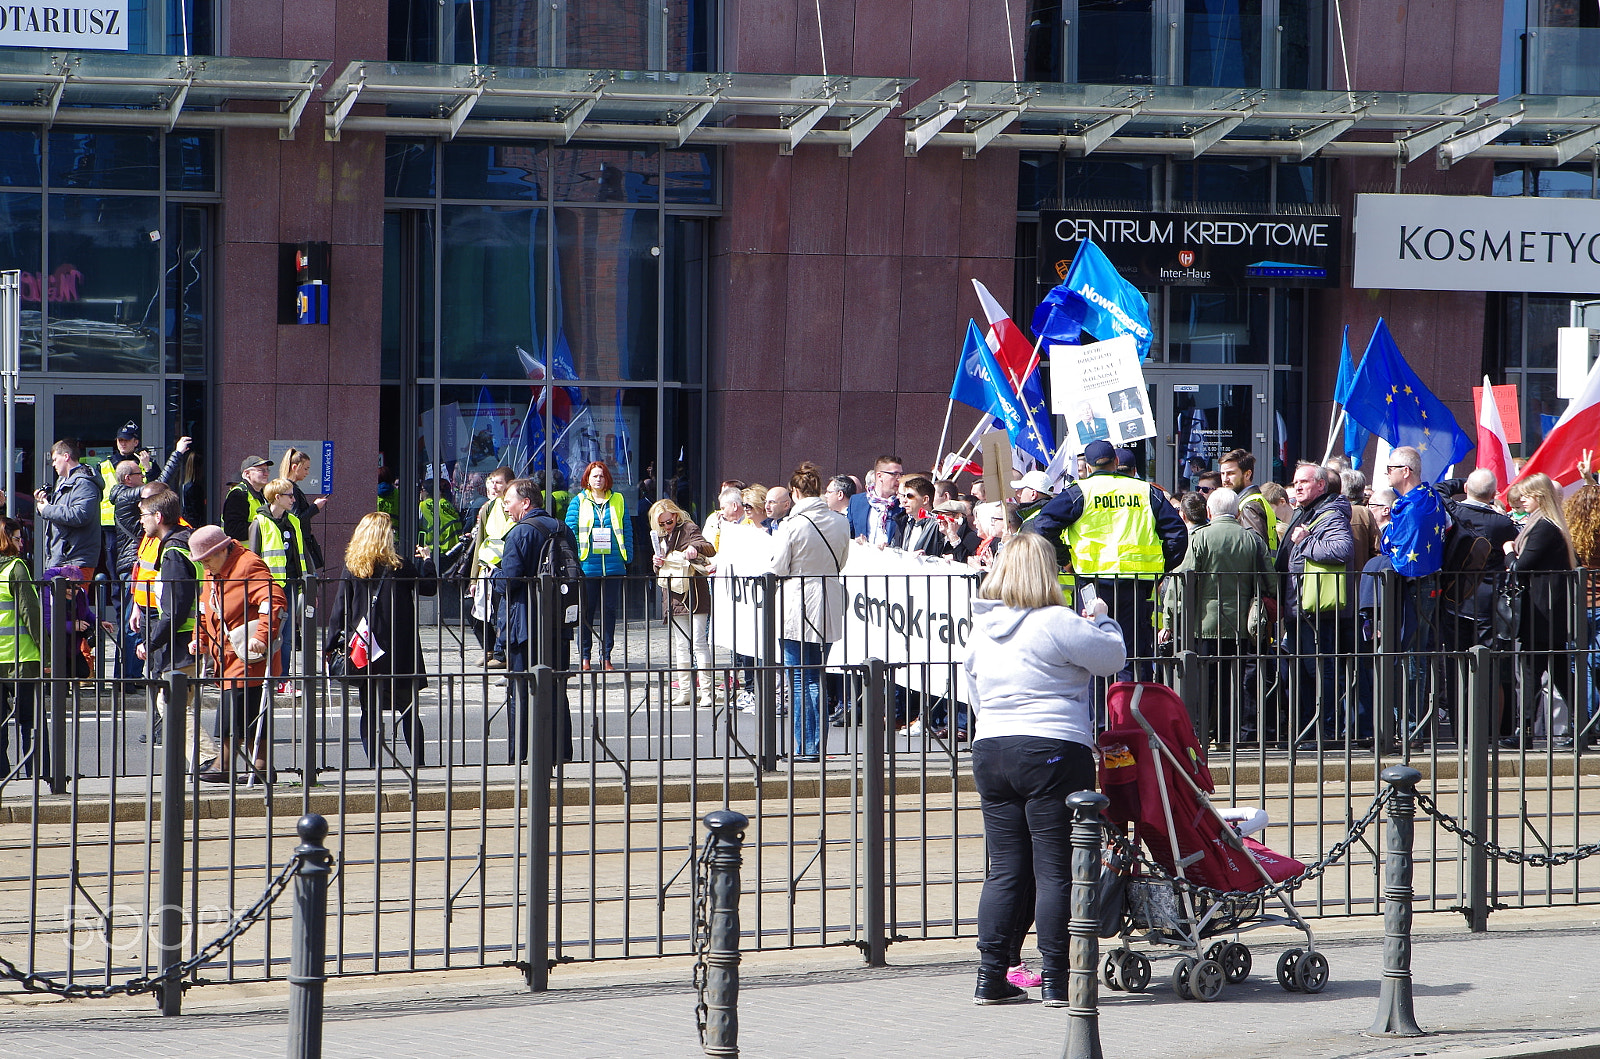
(1465, 557)
(558, 556)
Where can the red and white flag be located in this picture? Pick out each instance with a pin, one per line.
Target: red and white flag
(1011, 348)
(1493, 451)
(1577, 430)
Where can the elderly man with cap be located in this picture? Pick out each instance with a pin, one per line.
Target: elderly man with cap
(1033, 493)
(244, 500)
(241, 611)
(1123, 534)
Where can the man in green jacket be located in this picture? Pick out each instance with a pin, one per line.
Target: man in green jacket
(1208, 602)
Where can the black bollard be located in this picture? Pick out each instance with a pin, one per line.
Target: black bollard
(722, 950)
(1083, 1006)
(875, 812)
(169, 924)
(1395, 1015)
(307, 958)
(540, 709)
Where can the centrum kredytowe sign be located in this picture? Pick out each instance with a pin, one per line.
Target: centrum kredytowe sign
(1197, 249)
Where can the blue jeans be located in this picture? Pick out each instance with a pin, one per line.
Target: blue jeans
(805, 682)
(602, 598)
(1023, 782)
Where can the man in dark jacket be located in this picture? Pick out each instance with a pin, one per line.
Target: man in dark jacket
(71, 511)
(1315, 605)
(168, 645)
(520, 628)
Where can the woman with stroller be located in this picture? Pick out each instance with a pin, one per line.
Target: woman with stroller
(1030, 684)
(377, 605)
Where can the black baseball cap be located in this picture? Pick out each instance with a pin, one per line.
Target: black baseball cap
(129, 431)
(1098, 453)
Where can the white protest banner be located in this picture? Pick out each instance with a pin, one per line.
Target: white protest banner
(744, 554)
(1099, 389)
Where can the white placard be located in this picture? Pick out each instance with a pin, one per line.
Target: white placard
(1477, 243)
(1099, 389)
(100, 26)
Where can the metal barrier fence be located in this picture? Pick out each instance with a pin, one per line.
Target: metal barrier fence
(880, 840)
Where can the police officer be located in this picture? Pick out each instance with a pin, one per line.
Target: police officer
(128, 448)
(1123, 534)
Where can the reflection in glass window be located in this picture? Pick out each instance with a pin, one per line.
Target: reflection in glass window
(19, 158)
(606, 173)
(1302, 39)
(592, 34)
(1573, 182)
(1106, 179)
(1218, 326)
(492, 290)
(691, 176)
(100, 159)
(1508, 179)
(685, 304)
(606, 267)
(1036, 180)
(1544, 316)
(1297, 183)
(1115, 43)
(476, 170)
(20, 248)
(408, 169)
(187, 243)
(1237, 180)
(105, 271)
(1222, 43)
(192, 161)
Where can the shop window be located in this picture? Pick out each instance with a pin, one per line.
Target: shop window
(124, 161)
(492, 292)
(105, 260)
(1217, 326)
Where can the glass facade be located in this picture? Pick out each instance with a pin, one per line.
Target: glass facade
(577, 34)
(1231, 43)
(544, 306)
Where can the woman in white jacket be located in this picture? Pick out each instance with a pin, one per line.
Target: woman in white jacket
(1031, 666)
(810, 547)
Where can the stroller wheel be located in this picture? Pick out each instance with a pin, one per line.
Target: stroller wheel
(1286, 966)
(1236, 962)
(1134, 974)
(1206, 979)
(1311, 972)
(1180, 977)
(1111, 969)
(1215, 951)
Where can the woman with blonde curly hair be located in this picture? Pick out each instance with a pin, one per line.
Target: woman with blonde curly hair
(1542, 558)
(687, 613)
(374, 616)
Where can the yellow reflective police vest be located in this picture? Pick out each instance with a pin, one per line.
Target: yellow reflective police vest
(586, 510)
(16, 642)
(1116, 534)
(108, 510)
(275, 549)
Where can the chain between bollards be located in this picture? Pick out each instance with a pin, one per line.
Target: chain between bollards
(724, 855)
(1396, 1018)
(307, 958)
(1083, 1006)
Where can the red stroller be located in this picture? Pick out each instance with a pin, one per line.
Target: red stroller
(1153, 771)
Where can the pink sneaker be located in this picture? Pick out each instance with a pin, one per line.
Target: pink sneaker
(1023, 978)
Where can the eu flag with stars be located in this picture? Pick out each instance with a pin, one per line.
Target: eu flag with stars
(1355, 435)
(1414, 538)
(1388, 399)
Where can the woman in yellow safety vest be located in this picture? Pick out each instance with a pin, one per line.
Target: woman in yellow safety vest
(279, 538)
(599, 520)
(20, 636)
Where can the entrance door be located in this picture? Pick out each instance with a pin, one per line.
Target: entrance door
(1202, 415)
(91, 411)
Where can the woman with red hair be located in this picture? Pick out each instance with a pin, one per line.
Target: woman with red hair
(598, 517)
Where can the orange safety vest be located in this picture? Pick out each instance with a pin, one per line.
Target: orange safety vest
(147, 569)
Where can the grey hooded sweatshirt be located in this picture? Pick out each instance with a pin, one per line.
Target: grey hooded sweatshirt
(1030, 672)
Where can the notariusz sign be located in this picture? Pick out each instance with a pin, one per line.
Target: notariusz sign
(1197, 249)
(99, 26)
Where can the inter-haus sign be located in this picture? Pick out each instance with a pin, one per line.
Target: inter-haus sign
(99, 26)
(1197, 249)
(1477, 243)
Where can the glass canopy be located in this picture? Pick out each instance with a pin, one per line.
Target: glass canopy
(41, 86)
(1292, 124)
(677, 108)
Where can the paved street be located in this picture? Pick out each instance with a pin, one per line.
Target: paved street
(1529, 982)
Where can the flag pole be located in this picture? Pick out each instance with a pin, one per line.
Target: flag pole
(944, 432)
(1333, 433)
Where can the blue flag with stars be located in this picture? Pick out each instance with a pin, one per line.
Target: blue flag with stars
(1032, 437)
(1388, 399)
(1414, 538)
(1355, 435)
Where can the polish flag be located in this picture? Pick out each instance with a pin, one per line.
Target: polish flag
(1493, 452)
(1011, 348)
(1577, 430)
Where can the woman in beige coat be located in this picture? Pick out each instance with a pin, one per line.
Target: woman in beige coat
(810, 548)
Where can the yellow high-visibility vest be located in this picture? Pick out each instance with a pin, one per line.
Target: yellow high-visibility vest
(1116, 534)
